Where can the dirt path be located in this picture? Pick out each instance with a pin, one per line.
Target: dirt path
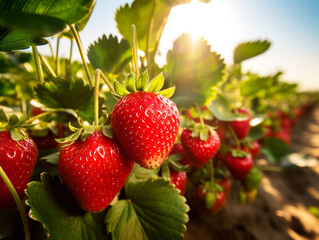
(280, 210)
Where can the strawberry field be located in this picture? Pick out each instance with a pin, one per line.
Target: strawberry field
(117, 146)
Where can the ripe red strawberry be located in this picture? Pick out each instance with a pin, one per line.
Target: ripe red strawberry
(253, 149)
(145, 124)
(200, 151)
(239, 166)
(179, 180)
(185, 160)
(219, 199)
(94, 171)
(219, 203)
(225, 184)
(17, 158)
(241, 128)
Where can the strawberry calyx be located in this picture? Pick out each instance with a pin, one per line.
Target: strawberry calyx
(14, 124)
(239, 153)
(84, 131)
(142, 84)
(209, 191)
(172, 162)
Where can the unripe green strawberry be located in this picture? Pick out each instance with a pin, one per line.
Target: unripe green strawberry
(145, 124)
(94, 171)
(17, 158)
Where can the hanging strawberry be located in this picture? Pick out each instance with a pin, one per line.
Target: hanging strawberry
(200, 142)
(92, 165)
(18, 154)
(145, 122)
(241, 128)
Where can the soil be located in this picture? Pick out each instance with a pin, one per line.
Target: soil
(280, 210)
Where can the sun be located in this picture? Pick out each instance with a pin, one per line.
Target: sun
(214, 21)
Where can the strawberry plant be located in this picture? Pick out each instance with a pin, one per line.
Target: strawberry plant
(119, 141)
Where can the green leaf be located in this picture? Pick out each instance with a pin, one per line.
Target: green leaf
(142, 81)
(68, 94)
(130, 83)
(70, 139)
(52, 158)
(154, 210)
(203, 135)
(53, 206)
(3, 117)
(15, 40)
(88, 130)
(79, 25)
(156, 84)
(194, 70)
(256, 132)
(276, 147)
(252, 86)
(70, 11)
(248, 50)
(34, 24)
(109, 54)
(16, 135)
(168, 92)
(221, 109)
(13, 120)
(141, 13)
(120, 89)
(107, 131)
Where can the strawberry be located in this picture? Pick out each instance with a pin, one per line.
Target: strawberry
(179, 180)
(185, 160)
(214, 201)
(241, 128)
(145, 124)
(239, 165)
(225, 184)
(252, 180)
(219, 203)
(94, 170)
(201, 151)
(253, 148)
(17, 158)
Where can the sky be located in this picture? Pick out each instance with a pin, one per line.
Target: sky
(292, 26)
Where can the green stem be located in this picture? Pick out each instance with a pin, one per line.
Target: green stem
(231, 130)
(101, 74)
(134, 50)
(47, 66)
(78, 42)
(19, 203)
(211, 166)
(70, 58)
(270, 168)
(200, 116)
(30, 120)
(38, 64)
(51, 49)
(57, 62)
(96, 98)
(149, 40)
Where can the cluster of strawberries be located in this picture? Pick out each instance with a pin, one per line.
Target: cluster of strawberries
(227, 149)
(145, 127)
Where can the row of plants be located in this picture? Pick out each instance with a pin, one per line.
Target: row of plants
(120, 148)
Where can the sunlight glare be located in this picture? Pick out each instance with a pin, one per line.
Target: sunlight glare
(215, 21)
